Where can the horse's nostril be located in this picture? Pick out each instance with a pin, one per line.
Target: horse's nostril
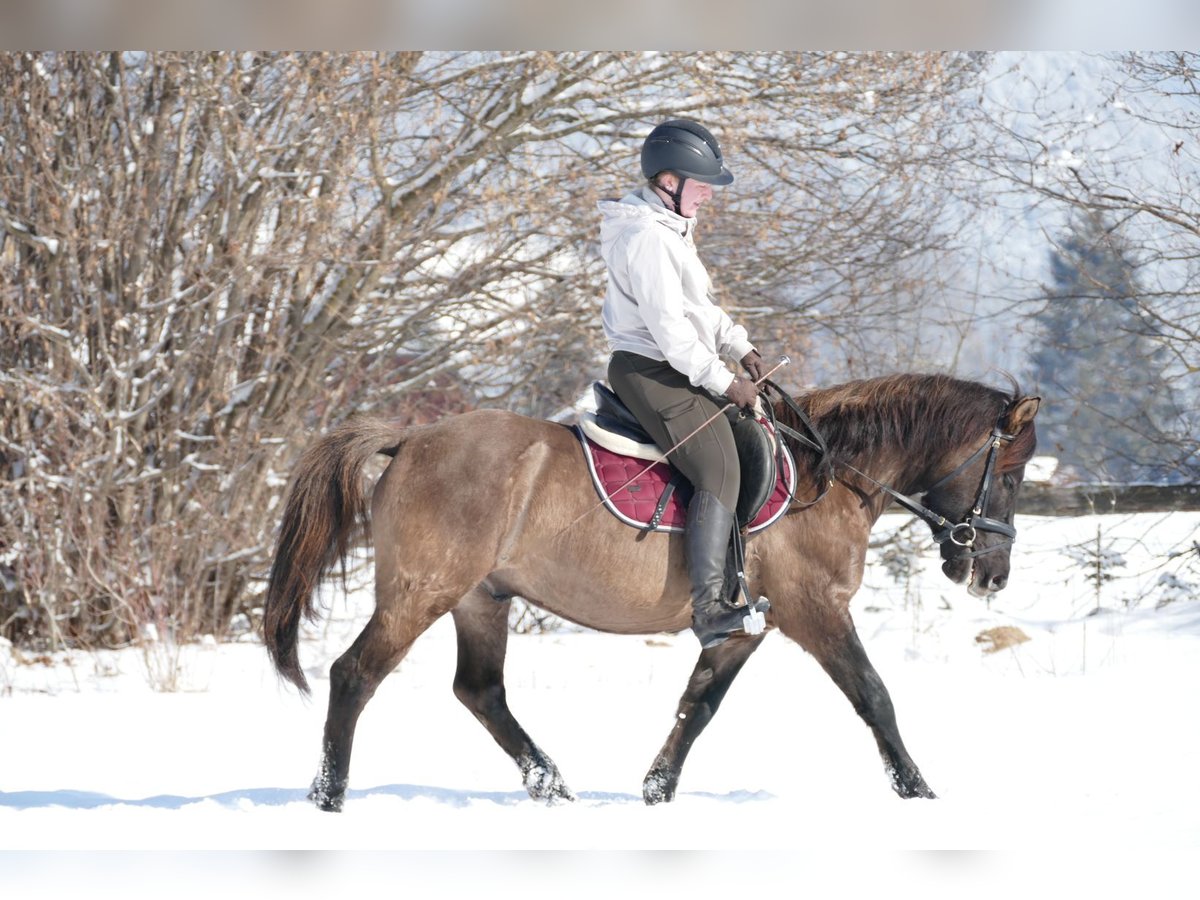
(998, 582)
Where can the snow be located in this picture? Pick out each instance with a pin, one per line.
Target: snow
(1085, 737)
(51, 244)
(240, 393)
(1041, 468)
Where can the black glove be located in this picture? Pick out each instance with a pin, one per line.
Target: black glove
(742, 393)
(753, 363)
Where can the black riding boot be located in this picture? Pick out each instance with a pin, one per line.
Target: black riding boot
(706, 544)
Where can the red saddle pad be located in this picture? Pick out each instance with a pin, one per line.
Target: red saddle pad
(635, 504)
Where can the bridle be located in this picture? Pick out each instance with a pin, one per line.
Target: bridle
(961, 534)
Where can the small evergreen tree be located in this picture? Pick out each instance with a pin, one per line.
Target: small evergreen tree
(1110, 409)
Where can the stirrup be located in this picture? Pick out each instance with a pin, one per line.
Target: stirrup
(731, 621)
(755, 621)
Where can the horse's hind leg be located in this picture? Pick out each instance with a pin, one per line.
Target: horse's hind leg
(830, 637)
(482, 624)
(714, 672)
(353, 680)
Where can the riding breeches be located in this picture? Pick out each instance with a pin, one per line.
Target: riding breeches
(670, 408)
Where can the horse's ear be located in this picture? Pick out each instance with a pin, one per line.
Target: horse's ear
(1020, 414)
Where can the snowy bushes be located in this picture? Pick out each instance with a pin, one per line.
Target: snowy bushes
(206, 259)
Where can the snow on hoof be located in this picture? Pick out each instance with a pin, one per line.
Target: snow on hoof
(543, 781)
(325, 801)
(657, 788)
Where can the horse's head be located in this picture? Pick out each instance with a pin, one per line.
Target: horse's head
(978, 500)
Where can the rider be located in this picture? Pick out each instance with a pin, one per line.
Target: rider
(667, 337)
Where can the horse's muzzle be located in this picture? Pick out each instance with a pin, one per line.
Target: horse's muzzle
(981, 579)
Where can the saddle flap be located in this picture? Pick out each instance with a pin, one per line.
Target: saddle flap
(756, 458)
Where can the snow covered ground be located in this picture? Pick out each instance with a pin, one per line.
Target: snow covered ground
(1086, 737)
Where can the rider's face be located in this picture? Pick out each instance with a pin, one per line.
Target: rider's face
(695, 195)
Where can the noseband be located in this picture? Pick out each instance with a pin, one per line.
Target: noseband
(961, 534)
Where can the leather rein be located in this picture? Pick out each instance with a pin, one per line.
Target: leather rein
(961, 534)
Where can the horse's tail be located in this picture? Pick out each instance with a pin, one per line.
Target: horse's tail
(325, 504)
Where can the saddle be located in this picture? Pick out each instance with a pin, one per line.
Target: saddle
(617, 448)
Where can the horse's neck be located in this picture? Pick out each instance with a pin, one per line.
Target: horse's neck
(904, 431)
(902, 467)
(897, 472)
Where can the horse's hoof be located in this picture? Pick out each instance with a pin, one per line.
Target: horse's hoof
(658, 788)
(909, 783)
(550, 790)
(325, 801)
(912, 788)
(544, 782)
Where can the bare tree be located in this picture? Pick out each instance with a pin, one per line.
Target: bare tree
(208, 258)
(845, 208)
(1128, 156)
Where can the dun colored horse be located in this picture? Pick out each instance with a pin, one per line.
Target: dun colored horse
(481, 507)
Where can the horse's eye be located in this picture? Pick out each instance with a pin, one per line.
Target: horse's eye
(1009, 481)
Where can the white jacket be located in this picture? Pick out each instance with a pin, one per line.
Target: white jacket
(658, 303)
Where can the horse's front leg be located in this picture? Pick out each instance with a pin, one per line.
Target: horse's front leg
(850, 669)
(827, 632)
(714, 672)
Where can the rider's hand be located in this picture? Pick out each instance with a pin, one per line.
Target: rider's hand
(742, 393)
(753, 363)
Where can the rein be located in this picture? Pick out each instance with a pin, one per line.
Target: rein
(963, 533)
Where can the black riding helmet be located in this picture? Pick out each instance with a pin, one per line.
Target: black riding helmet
(687, 149)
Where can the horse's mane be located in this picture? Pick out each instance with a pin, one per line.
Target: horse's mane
(919, 415)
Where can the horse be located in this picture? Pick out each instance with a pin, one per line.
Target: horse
(487, 505)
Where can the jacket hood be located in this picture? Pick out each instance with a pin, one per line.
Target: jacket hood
(637, 209)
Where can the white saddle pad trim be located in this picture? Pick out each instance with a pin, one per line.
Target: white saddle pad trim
(618, 443)
(651, 452)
